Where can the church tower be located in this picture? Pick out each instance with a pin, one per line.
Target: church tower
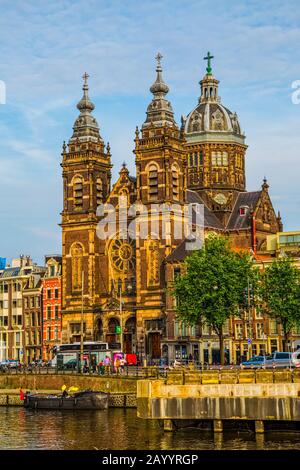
(86, 184)
(216, 149)
(161, 182)
(160, 158)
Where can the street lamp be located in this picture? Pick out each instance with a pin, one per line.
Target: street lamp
(129, 289)
(81, 323)
(240, 347)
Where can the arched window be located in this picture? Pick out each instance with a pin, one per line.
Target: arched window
(77, 266)
(175, 182)
(153, 182)
(99, 191)
(78, 192)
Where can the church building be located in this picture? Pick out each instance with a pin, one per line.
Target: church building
(119, 285)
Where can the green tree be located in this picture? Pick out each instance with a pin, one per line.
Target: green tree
(280, 293)
(212, 285)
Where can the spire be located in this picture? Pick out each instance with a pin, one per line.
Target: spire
(265, 185)
(279, 221)
(124, 169)
(159, 112)
(85, 104)
(159, 86)
(85, 127)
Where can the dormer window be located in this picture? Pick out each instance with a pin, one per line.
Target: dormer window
(243, 210)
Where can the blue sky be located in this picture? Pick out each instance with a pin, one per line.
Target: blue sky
(47, 46)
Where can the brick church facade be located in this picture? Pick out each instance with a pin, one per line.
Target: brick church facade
(124, 280)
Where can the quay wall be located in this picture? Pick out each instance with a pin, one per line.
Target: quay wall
(122, 390)
(246, 401)
(109, 384)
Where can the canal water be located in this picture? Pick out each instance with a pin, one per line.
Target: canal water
(121, 429)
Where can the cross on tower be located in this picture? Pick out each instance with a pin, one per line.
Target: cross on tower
(85, 77)
(158, 58)
(208, 58)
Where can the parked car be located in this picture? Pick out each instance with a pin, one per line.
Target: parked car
(10, 363)
(52, 362)
(71, 364)
(255, 362)
(296, 358)
(280, 359)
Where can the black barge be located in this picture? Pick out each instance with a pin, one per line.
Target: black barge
(85, 400)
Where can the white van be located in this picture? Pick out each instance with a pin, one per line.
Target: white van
(296, 358)
(52, 362)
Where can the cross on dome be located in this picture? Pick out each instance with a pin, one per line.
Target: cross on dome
(208, 58)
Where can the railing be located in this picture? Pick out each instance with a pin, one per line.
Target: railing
(233, 376)
(201, 373)
(128, 371)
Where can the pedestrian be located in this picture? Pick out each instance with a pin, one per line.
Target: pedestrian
(117, 364)
(101, 368)
(122, 364)
(22, 395)
(107, 364)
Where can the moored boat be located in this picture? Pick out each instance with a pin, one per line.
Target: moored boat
(85, 400)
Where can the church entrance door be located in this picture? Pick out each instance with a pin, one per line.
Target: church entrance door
(127, 343)
(154, 345)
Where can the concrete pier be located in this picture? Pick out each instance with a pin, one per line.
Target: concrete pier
(257, 402)
(218, 425)
(169, 425)
(259, 427)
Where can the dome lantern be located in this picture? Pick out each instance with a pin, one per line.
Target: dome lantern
(210, 118)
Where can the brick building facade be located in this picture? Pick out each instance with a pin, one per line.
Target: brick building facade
(51, 288)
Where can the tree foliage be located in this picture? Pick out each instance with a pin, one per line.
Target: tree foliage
(212, 285)
(280, 292)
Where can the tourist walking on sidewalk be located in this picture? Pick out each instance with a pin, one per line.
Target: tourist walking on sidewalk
(107, 364)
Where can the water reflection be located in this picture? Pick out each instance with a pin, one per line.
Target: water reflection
(121, 429)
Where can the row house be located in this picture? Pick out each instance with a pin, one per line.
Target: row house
(14, 280)
(51, 287)
(32, 313)
(30, 309)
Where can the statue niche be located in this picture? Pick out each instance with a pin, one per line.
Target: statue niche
(77, 266)
(152, 250)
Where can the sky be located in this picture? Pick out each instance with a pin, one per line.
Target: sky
(45, 47)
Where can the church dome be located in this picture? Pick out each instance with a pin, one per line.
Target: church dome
(210, 119)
